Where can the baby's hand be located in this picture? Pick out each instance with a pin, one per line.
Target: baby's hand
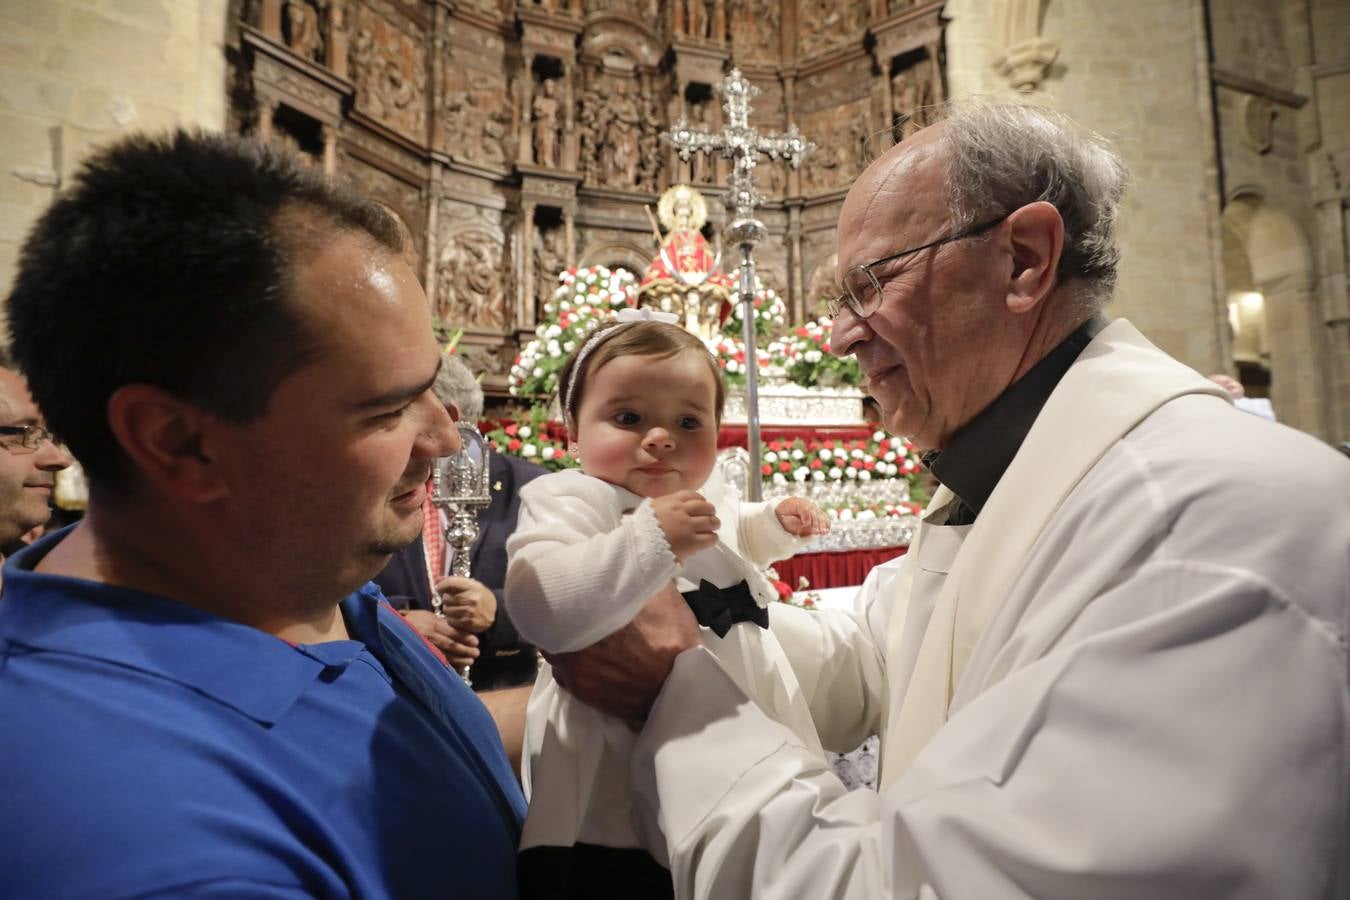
(801, 518)
(689, 522)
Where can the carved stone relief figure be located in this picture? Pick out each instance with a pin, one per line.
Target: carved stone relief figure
(302, 28)
(700, 168)
(696, 18)
(913, 94)
(477, 117)
(472, 279)
(756, 28)
(390, 73)
(590, 127)
(831, 24)
(545, 110)
(621, 135)
(649, 167)
(549, 260)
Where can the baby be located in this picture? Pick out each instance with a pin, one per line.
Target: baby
(642, 400)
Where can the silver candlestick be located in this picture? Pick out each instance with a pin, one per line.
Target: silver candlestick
(460, 486)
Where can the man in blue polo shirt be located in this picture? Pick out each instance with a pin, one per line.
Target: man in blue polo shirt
(202, 694)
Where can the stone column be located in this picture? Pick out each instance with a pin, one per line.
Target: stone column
(267, 109)
(337, 41)
(796, 276)
(329, 133)
(526, 151)
(269, 19)
(525, 299)
(570, 235)
(571, 149)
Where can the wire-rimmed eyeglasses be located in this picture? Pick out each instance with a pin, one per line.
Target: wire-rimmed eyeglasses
(30, 437)
(861, 288)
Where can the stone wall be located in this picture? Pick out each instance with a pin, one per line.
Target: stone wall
(1133, 72)
(76, 73)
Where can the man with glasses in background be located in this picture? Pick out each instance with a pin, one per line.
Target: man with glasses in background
(1107, 667)
(29, 458)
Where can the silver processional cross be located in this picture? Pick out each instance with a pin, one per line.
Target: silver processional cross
(743, 144)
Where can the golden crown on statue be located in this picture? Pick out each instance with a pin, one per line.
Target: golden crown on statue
(685, 277)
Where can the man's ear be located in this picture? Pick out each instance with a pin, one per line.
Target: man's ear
(169, 441)
(1036, 234)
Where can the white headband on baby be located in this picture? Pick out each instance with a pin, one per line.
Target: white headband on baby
(624, 317)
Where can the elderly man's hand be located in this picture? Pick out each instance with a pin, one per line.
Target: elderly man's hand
(469, 605)
(459, 647)
(622, 674)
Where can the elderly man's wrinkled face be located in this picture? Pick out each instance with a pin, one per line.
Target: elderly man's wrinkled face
(931, 352)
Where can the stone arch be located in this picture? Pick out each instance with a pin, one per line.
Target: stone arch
(615, 31)
(1267, 255)
(617, 253)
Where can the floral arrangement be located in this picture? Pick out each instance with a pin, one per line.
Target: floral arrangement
(584, 298)
(806, 357)
(729, 351)
(770, 314)
(881, 456)
(531, 437)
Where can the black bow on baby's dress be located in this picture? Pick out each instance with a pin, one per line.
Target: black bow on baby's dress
(720, 608)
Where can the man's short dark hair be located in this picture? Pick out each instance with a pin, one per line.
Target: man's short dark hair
(170, 262)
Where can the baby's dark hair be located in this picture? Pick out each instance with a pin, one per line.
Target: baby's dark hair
(645, 338)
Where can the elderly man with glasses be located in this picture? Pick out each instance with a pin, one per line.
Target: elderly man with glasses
(1106, 667)
(29, 459)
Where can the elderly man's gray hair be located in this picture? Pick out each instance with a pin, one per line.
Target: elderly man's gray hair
(1002, 156)
(456, 385)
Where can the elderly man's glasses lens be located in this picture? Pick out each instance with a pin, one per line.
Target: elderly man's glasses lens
(24, 438)
(862, 290)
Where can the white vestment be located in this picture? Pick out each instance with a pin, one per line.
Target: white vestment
(584, 558)
(1127, 679)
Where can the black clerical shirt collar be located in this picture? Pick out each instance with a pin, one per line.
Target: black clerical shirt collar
(980, 452)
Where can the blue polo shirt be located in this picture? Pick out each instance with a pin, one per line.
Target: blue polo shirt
(150, 749)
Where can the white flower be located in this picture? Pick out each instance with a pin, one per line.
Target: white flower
(811, 356)
(733, 366)
(512, 390)
(564, 306)
(836, 473)
(552, 331)
(554, 349)
(771, 457)
(797, 453)
(889, 456)
(802, 473)
(878, 436)
(856, 454)
(528, 450)
(846, 515)
(569, 346)
(524, 432)
(826, 453)
(538, 372)
(817, 475)
(864, 475)
(851, 472)
(778, 479)
(547, 452)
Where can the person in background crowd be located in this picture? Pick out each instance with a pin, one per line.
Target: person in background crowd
(29, 461)
(203, 695)
(476, 628)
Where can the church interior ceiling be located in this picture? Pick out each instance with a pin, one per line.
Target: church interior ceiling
(515, 138)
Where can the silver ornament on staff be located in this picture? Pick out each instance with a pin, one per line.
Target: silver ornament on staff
(460, 487)
(741, 143)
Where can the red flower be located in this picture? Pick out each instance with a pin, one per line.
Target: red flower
(511, 429)
(513, 445)
(767, 469)
(785, 467)
(855, 463)
(815, 463)
(809, 603)
(802, 332)
(869, 464)
(782, 588)
(775, 446)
